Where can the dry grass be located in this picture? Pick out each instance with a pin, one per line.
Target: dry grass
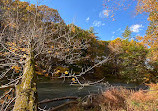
(114, 99)
(125, 100)
(121, 99)
(144, 100)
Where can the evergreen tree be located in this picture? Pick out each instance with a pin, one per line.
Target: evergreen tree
(127, 33)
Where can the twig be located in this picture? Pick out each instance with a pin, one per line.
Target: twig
(9, 104)
(6, 87)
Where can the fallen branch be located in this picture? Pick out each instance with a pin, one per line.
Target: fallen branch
(97, 81)
(62, 105)
(56, 99)
(86, 84)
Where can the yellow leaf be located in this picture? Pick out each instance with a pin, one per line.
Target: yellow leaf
(73, 79)
(66, 72)
(39, 73)
(58, 71)
(73, 29)
(17, 68)
(24, 56)
(12, 67)
(46, 75)
(16, 71)
(44, 70)
(23, 49)
(49, 51)
(13, 50)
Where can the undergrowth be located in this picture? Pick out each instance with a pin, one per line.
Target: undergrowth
(121, 99)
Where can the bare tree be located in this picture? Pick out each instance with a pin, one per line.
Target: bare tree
(21, 41)
(29, 32)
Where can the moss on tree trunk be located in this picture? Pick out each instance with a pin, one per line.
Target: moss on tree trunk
(26, 91)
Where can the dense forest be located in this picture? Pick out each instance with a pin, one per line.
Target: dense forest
(37, 45)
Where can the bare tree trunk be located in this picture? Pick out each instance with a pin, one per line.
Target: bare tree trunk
(26, 91)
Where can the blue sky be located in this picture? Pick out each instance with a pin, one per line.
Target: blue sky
(92, 13)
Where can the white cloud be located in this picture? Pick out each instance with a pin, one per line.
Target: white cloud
(113, 32)
(119, 29)
(104, 14)
(103, 24)
(136, 28)
(87, 19)
(98, 23)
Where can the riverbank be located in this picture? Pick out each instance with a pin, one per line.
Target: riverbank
(121, 99)
(59, 89)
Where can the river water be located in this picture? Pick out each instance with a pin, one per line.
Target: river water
(60, 89)
(56, 89)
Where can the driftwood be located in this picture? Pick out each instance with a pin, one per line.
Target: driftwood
(56, 99)
(62, 105)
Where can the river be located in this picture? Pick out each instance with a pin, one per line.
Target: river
(56, 89)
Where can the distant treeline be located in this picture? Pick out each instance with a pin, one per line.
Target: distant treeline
(131, 60)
